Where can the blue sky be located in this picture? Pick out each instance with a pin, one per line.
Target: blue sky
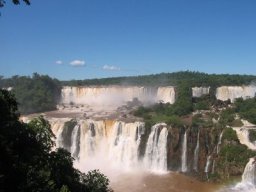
(84, 39)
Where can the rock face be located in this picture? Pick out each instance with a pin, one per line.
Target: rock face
(233, 92)
(116, 95)
(200, 91)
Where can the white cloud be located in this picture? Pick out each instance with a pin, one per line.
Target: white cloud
(59, 62)
(111, 68)
(77, 63)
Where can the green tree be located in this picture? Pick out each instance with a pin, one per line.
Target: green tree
(27, 162)
(16, 2)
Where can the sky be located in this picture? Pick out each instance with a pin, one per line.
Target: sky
(86, 39)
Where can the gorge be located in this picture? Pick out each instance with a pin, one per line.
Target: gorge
(183, 132)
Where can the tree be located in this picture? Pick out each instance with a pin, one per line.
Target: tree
(27, 162)
(16, 2)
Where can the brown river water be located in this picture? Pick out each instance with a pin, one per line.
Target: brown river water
(170, 182)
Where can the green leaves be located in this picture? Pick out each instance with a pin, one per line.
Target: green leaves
(95, 181)
(27, 162)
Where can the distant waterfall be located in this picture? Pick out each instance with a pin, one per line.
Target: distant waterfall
(196, 152)
(156, 150)
(219, 142)
(208, 163)
(184, 167)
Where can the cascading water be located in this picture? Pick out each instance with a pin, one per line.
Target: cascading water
(156, 150)
(124, 144)
(219, 142)
(207, 166)
(196, 152)
(115, 95)
(91, 134)
(249, 175)
(74, 150)
(208, 163)
(184, 167)
(248, 183)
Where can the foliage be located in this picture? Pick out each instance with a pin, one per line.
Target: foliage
(246, 109)
(230, 135)
(201, 105)
(95, 181)
(163, 79)
(227, 116)
(236, 154)
(16, 2)
(27, 162)
(252, 135)
(35, 94)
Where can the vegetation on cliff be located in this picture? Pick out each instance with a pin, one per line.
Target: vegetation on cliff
(27, 162)
(34, 94)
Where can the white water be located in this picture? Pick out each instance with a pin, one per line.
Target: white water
(98, 144)
(115, 95)
(74, 140)
(184, 167)
(196, 152)
(200, 91)
(248, 183)
(233, 92)
(156, 150)
(219, 142)
(166, 94)
(249, 175)
(208, 163)
(243, 136)
(124, 144)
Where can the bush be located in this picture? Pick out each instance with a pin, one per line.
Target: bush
(230, 135)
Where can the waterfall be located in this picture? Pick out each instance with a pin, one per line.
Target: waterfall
(213, 166)
(219, 142)
(248, 182)
(249, 175)
(74, 150)
(91, 134)
(184, 167)
(200, 91)
(124, 143)
(233, 92)
(208, 163)
(156, 150)
(166, 94)
(116, 143)
(115, 95)
(196, 152)
(57, 128)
